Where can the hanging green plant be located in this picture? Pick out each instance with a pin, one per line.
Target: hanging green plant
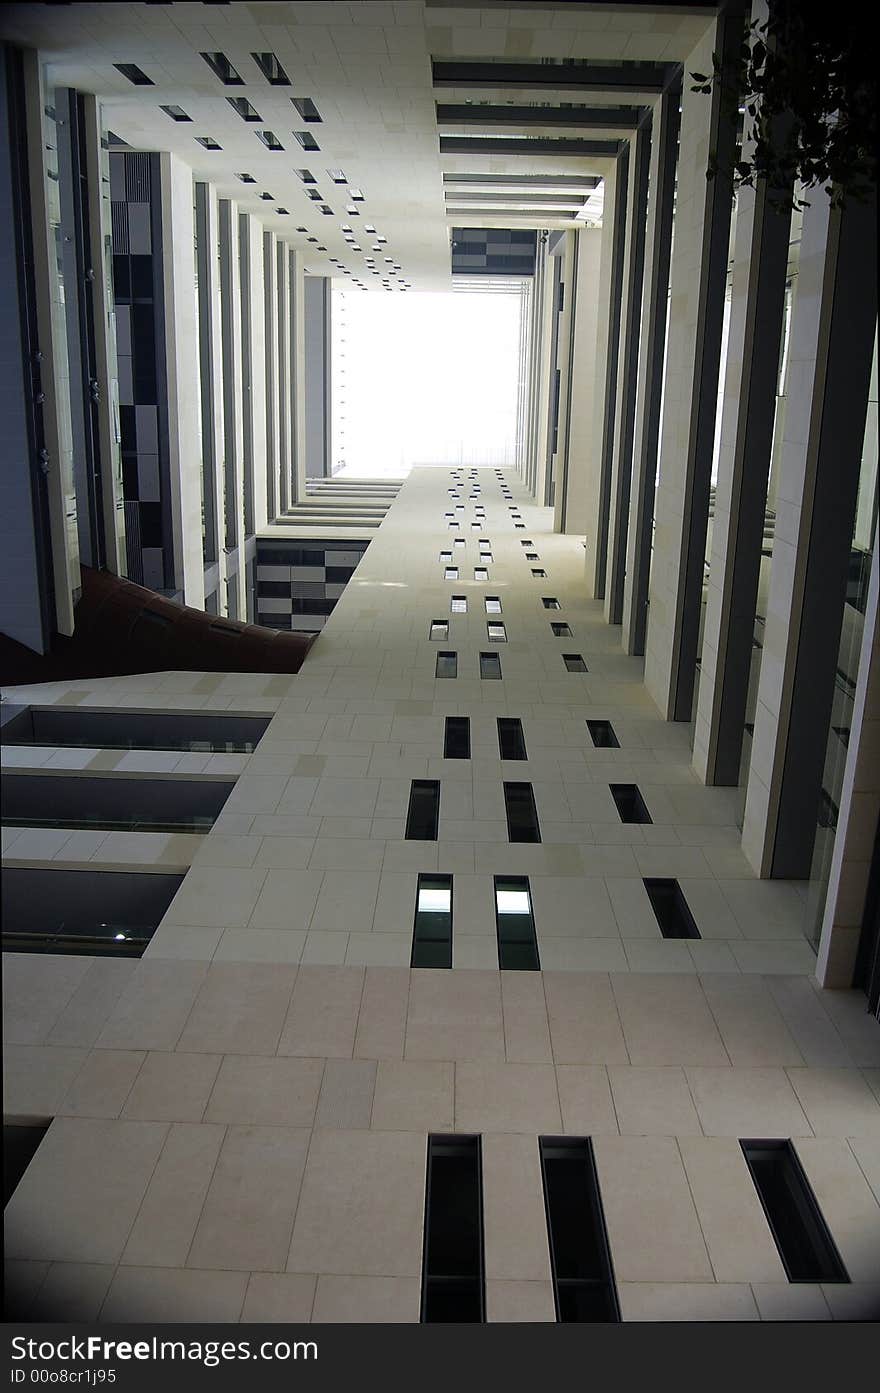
(805, 80)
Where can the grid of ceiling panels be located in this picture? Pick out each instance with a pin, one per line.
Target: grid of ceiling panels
(366, 91)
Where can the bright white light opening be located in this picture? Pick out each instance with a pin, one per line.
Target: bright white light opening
(424, 379)
(434, 901)
(512, 901)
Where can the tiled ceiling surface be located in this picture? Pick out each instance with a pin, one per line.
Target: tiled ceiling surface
(367, 67)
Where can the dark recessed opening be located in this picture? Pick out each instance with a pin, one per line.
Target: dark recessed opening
(439, 630)
(20, 1142)
(269, 139)
(515, 925)
(424, 811)
(271, 69)
(244, 109)
(452, 1267)
(222, 68)
(671, 908)
(306, 108)
(522, 815)
(539, 574)
(134, 730)
(550, 602)
(447, 665)
(574, 662)
(496, 632)
(602, 735)
(113, 802)
(96, 913)
(457, 738)
(176, 113)
(490, 666)
(511, 743)
(805, 1245)
(580, 1259)
(458, 604)
(306, 140)
(134, 74)
(561, 630)
(630, 803)
(432, 930)
(493, 604)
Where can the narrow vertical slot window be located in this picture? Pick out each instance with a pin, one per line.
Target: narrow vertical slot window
(432, 931)
(458, 604)
(423, 813)
(522, 815)
(539, 574)
(480, 573)
(457, 738)
(550, 602)
(450, 573)
(496, 632)
(515, 925)
(453, 1283)
(447, 665)
(574, 662)
(532, 556)
(580, 1259)
(445, 558)
(798, 1226)
(561, 630)
(439, 629)
(493, 604)
(671, 908)
(602, 735)
(511, 743)
(630, 803)
(490, 666)
(458, 542)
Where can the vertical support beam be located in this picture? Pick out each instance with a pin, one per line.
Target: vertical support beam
(627, 374)
(270, 348)
(699, 271)
(181, 372)
(577, 510)
(564, 365)
(296, 368)
(544, 312)
(245, 258)
(757, 305)
(282, 322)
(258, 371)
(652, 353)
(230, 329)
(209, 368)
(57, 447)
(317, 376)
(833, 329)
(548, 445)
(615, 210)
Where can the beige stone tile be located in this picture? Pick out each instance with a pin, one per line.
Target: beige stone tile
(248, 1212)
(284, 853)
(454, 1015)
(240, 1009)
(585, 1099)
(584, 1023)
(362, 1204)
(102, 1084)
(367, 1300)
(153, 1008)
(36, 990)
(287, 900)
(790, 1301)
(658, 955)
(526, 1030)
(22, 1280)
(163, 1230)
(172, 1087)
(666, 1020)
(378, 950)
(582, 955)
(279, 1297)
(856, 1301)
(346, 1098)
(847, 1202)
(737, 1234)
(37, 1077)
(684, 1301)
(800, 1006)
(749, 1021)
(747, 1103)
(506, 1098)
(323, 1014)
(654, 1101)
(411, 1096)
(653, 1230)
(519, 1303)
(260, 946)
(867, 1152)
(160, 1295)
(266, 1091)
(184, 942)
(223, 849)
(72, 1292)
(79, 1196)
(87, 1010)
(381, 1027)
(572, 907)
(516, 1247)
(837, 1102)
(323, 949)
(217, 895)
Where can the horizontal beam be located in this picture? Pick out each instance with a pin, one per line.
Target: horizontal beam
(625, 118)
(492, 145)
(558, 77)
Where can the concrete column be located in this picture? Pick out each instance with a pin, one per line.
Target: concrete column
(576, 511)
(696, 308)
(756, 317)
(258, 370)
(182, 369)
(546, 380)
(282, 359)
(615, 214)
(272, 486)
(296, 368)
(833, 327)
(627, 372)
(559, 455)
(210, 369)
(233, 430)
(317, 376)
